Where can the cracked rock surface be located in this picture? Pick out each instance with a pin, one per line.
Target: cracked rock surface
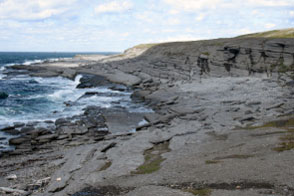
(205, 137)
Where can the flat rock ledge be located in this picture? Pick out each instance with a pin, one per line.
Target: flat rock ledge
(214, 131)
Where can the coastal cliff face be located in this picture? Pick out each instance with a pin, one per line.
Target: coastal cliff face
(252, 54)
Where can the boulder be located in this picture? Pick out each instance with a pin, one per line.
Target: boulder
(3, 95)
(90, 81)
(124, 78)
(10, 131)
(46, 138)
(19, 140)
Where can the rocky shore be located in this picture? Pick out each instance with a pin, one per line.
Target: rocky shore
(222, 125)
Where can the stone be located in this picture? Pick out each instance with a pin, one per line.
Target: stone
(38, 132)
(26, 129)
(11, 177)
(61, 122)
(140, 95)
(3, 95)
(278, 105)
(69, 73)
(10, 131)
(13, 191)
(253, 103)
(124, 78)
(19, 140)
(46, 138)
(90, 81)
(18, 125)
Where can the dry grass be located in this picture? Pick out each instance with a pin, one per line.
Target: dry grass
(284, 33)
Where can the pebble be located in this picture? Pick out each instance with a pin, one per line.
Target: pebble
(11, 177)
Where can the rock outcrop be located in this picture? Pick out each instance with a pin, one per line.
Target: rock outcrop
(252, 54)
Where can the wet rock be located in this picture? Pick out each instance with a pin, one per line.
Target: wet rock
(38, 132)
(90, 81)
(253, 103)
(69, 73)
(124, 78)
(10, 131)
(247, 118)
(49, 121)
(275, 106)
(18, 125)
(46, 138)
(62, 137)
(13, 191)
(248, 112)
(290, 84)
(140, 95)
(26, 129)
(68, 103)
(3, 95)
(111, 145)
(19, 140)
(118, 87)
(73, 130)
(34, 123)
(62, 122)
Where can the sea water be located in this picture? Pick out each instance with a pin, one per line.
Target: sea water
(34, 99)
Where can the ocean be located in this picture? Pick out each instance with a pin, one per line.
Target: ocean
(35, 99)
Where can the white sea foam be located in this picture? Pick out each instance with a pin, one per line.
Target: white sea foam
(1, 72)
(33, 62)
(66, 91)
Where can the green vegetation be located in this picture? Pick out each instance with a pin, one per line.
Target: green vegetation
(206, 53)
(212, 162)
(287, 141)
(284, 146)
(106, 166)
(153, 159)
(199, 192)
(287, 124)
(145, 46)
(284, 33)
(234, 156)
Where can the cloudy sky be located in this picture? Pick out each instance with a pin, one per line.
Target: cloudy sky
(114, 25)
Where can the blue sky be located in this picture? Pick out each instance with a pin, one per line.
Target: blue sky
(115, 25)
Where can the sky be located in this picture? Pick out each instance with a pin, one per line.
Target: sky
(115, 25)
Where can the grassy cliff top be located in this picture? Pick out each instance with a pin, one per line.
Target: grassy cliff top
(145, 46)
(283, 33)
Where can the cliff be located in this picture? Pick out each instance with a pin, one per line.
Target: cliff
(252, 54)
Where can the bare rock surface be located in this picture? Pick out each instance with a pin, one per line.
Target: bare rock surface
(207, 134)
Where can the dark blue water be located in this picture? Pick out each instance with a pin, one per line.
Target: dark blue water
(32, 99)
(11, 58)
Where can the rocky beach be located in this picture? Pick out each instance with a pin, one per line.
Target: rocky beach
(218, 121)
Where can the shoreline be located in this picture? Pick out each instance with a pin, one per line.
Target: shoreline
(190, 144)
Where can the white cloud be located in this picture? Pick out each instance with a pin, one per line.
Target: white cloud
(195, 5)
(145, 17)
(269, 25)
(190, 5)
(174, 12)
(33, 9)
(173, 21)
(200, 17)
(291, 13)
(270, 3)
(181, 38)
(113, 6)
